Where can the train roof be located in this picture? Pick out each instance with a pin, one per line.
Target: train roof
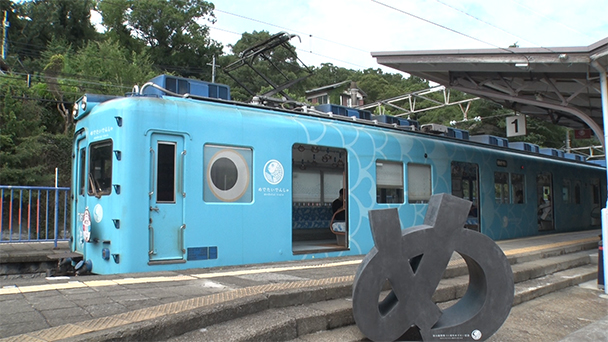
(172, 87)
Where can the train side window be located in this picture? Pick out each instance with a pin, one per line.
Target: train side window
(228, 173)
(332, 183)
(566, 191)
(307, 186)
(389, 182)
(100, 169)
(596, 190)
(577, 193)
(419, 184)
(501, 187)
(518, 188)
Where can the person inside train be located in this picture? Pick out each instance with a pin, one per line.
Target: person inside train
(519, 197)
(338, 222)
(544, 208)
(338, 204)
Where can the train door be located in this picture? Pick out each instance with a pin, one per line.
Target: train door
(80, 181)
(166, 216)
(544, 191)
(318, 175)
(465, 184)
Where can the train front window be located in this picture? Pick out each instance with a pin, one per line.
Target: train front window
(100, 169)
(82, 169)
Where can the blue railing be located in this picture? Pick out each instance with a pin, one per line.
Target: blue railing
(34, 213)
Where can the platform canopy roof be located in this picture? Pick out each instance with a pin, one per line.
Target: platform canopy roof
(560, 84)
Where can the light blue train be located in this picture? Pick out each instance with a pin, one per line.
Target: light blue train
(177, 176)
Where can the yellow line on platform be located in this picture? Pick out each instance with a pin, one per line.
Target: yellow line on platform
(75, 329)
(143, 280)
(548, 246)
(275, 269)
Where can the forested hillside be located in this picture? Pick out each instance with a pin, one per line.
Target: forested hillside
(56, 54)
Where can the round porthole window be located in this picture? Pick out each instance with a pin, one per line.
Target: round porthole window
(224, 174)
(228, 175)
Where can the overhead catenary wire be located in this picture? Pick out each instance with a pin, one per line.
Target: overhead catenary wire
(303, 50)
(292, 30)
(549, 18)
(440, 25)
(490, 24)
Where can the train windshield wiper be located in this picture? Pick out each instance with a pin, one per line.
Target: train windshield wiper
(94, 186)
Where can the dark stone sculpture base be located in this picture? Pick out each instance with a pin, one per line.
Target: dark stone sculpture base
(413, 262)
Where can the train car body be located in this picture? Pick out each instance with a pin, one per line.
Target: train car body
(166, 183)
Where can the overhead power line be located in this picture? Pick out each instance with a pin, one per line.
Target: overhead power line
(549, 18)
(439, 25)
(292, 30)
(300, 50)
(79, 81)
(489, 24)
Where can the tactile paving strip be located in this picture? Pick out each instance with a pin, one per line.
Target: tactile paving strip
(21, 338)
(59, 332)
(71, 330)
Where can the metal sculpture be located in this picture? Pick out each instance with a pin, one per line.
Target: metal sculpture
(413, 262)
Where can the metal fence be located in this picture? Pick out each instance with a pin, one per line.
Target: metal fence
(34, 213)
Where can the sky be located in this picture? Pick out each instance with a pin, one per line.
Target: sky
(345, 32)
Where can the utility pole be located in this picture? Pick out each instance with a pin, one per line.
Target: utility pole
(213, 66)
(5, 25)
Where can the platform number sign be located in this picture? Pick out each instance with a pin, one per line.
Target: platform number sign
(516, 125)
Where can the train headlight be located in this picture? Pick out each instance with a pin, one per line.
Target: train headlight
(83, 104)
(75, 110)
(80, 106)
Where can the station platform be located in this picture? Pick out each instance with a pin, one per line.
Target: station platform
(229, 303)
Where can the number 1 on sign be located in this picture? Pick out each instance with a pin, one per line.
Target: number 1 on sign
(514, 122)
(516, 125)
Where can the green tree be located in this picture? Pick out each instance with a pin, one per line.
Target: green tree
(34, 24)
(328, 74)
(379, 86)
(111, 68)
(20, 125)
(171, 32)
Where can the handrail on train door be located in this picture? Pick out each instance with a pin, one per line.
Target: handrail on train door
(182, 230)
(151, 251)
(182, 174)
(152, 164)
